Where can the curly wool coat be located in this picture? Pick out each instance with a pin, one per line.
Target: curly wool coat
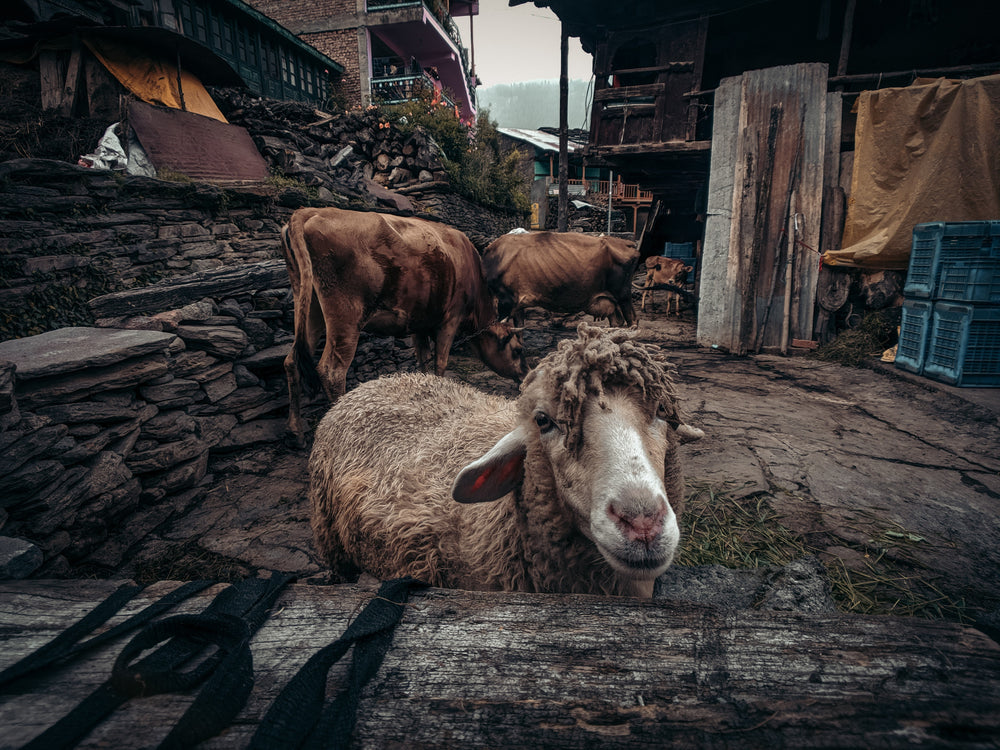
(386, 458)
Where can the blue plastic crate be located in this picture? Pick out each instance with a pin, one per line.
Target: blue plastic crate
(964, 345)
(939, 244)
(913, 334)
(971, 281)
(679, 250)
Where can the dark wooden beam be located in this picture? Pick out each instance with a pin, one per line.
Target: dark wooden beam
(475, 669)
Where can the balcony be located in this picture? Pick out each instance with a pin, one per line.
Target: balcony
(620, 191)
(389, 87)
(423, 33)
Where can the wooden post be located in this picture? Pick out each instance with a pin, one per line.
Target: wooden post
(563, 221)
(694, 104)
(845, 39)
(611, 174)
(180, 84)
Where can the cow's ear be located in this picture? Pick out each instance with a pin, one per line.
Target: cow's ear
(499, 471)
(688, 269)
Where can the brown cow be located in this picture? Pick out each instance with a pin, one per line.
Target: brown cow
(562, 272)
(389, 275)
(662, 271)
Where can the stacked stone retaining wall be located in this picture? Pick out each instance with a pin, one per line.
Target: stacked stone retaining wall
(105, 429)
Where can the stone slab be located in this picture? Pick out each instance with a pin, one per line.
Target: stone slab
(78, 348)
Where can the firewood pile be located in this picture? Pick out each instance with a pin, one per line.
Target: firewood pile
(342, 153)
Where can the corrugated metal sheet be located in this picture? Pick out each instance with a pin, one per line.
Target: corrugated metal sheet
(196, 146)
(540, 139)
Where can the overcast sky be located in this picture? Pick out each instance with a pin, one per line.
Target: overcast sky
(513, 45)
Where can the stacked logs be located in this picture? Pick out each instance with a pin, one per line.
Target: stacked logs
(337, 152)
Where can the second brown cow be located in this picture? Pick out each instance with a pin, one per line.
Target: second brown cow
(563, 272)
(390, 275)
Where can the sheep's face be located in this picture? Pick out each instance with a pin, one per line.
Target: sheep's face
(614, 482)
(611, 484)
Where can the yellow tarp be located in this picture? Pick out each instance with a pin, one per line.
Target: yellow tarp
(152, 78)
(927, 152)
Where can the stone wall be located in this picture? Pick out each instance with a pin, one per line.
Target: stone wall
(111, 428)
(69, 233)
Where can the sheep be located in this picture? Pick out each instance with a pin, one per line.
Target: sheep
(573, 487)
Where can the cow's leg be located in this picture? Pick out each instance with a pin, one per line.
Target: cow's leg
(627, 309)
(442, 345)
(421, 349)
(296, 425)
(337, 357)
(298, 361)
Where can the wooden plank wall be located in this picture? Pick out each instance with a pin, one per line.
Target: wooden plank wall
(769, 148)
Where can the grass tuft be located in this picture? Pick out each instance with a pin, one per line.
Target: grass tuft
(720, 529)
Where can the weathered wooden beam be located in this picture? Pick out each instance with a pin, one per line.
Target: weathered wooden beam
(471, 669)
(629, 92)
(173, 293)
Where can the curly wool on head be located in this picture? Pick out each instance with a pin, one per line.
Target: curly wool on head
(597, 358)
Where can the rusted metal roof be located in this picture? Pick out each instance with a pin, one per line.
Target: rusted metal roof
(196, 146)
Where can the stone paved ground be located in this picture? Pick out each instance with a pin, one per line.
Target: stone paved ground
(895, 478)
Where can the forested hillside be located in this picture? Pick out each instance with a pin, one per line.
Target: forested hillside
(535, 104)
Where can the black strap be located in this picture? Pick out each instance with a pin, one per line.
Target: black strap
(297, 718)
(66, 646)
(223, 695)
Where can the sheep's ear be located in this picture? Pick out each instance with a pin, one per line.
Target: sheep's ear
(499, 471)
(688, 434)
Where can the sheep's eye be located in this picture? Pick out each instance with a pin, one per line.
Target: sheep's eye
(661, 412)
(544, 421)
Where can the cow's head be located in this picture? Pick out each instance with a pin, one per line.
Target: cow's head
(501, 348)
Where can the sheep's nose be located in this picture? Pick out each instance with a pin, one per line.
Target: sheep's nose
(639, 527)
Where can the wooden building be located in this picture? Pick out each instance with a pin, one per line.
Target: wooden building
(739, 117)
(221, 42)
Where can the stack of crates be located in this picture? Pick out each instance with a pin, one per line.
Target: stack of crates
(950, 329)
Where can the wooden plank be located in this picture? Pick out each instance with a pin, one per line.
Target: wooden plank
(809, 195)
(628, 92)
(72, 81)
(715, 300)
(51, 76)
(496, 670)
(779, 135)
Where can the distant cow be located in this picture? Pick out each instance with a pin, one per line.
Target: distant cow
(562, 272)
(389, 275)
(668, 274)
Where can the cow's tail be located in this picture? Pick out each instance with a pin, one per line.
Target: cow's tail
(301, 275)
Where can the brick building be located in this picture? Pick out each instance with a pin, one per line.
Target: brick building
(387, 49)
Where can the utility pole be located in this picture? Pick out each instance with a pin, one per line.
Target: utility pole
(563, 130)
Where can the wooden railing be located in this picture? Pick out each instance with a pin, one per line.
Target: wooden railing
(620, 191)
